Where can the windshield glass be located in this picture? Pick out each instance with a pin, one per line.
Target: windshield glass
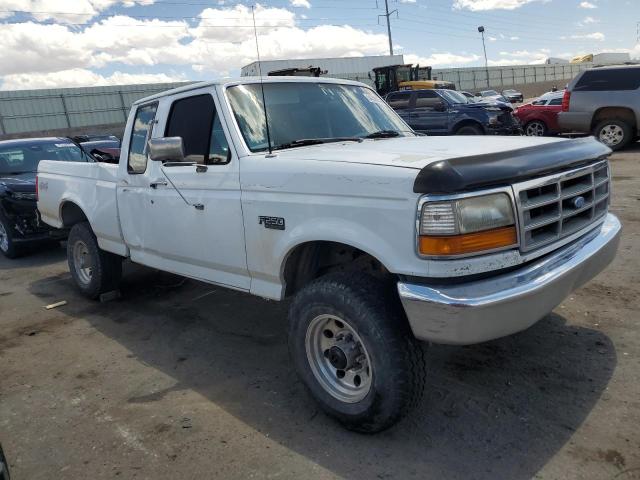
(489, 93)
(24, 158)
(454, 97)
(309, 111)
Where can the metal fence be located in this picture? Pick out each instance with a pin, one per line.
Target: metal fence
(52, 109)
(475, 78)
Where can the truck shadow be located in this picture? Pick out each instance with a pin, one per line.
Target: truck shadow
(496, 410)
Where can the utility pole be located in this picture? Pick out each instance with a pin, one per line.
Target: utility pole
(388, 14)
(486, 63)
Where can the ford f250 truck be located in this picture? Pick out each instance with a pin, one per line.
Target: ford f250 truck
(382, 238)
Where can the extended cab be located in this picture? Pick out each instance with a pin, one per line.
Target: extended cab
(382, 238)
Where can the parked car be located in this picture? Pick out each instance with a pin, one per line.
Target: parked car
(514, 96)
(20, 223)
(540, 117)
(102, 150)
(492, 95)
(447, 112)
(605, 102)
(380, 238)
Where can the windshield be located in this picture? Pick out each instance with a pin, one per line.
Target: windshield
(454, 97)
(509, 92)
(309, 111)
(489, 93)
(25, 158)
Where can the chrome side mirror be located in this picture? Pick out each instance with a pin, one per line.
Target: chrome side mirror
(166, 149)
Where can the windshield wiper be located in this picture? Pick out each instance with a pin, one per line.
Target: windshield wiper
(383, 134)
(315, 141)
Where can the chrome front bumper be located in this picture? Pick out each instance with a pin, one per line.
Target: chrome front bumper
(494, 307)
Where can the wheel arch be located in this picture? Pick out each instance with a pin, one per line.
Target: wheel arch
(71, 213)
(468, 122)
(625, 114)
(308, 260)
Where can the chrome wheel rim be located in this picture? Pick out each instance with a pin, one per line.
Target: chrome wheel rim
(82, 262)
(4, 238)
(611, 135)
(535, 129)
(338, 358)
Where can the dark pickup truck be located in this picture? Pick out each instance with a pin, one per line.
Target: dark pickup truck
(19, 220)
(447, 112)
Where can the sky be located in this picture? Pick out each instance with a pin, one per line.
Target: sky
(73, 43)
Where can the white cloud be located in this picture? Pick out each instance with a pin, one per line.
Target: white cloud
(477, 5)
(599, 36)
(80, 78)
(492, 39)
(407, 1)
(64, 11)
(587, 5)
(300, 3)
(521, 57)
(588, 20)
(441, 59)
(514, 38)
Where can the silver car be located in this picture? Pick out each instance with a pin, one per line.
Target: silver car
(604, 101)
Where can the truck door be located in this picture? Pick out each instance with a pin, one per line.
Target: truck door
(206, 242)
(400, 102)
(428, 115)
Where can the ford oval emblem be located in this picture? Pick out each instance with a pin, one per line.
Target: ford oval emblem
(578, 202)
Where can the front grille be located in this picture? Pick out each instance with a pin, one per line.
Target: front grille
(557, 206)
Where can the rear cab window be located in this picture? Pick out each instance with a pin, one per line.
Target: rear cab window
(140, 135)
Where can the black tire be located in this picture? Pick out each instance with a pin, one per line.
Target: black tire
(4, 466)
(105, 268)
(536, 128)
(623, 133)
(469, 130)
(373, 310)
(8, 246)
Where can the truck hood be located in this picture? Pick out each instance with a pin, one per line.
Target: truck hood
(19, 183)
(414, 152)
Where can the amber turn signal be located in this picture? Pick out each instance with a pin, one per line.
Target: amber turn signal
(468, 242)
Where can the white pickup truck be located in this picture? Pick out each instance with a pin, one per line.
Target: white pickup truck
(382, 238)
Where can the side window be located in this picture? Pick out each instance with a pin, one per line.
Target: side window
(609, 79)
(541, 102)
(142, 127)
(428, 99)
(195, 120)
(399, 100)
(555, 101)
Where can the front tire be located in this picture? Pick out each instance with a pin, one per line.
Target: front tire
(94, 271)
(614, 133)
(8, 246)
(535, 128)
(354, 351)
(469, 130)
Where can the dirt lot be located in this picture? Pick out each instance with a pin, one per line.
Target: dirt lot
(179, 379)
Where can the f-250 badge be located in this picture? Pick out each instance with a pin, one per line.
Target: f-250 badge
(275, 223)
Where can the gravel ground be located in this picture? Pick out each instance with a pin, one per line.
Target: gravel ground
(179, 379)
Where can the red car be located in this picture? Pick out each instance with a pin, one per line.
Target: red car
(540, 117)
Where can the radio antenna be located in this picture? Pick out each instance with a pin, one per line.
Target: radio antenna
(264, 103)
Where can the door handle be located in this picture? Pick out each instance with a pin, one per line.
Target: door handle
(161, 182)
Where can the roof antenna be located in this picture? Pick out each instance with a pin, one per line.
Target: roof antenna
(264, 103)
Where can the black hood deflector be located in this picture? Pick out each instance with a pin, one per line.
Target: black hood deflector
(496, 169)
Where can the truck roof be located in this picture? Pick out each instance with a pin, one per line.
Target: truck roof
(245, 80)
(19, 142)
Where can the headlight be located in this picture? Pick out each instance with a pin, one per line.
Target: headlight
(467, 225)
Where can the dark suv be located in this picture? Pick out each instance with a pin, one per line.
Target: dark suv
(19, 221)
(447, 112)
(604, 101)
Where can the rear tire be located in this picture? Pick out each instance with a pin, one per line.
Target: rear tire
(469, 130)
(8, 246)
(535, 128)
(354, 351)
(615, 134)
(94, 271)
